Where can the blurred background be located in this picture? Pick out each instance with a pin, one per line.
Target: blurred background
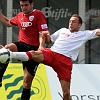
(58, 13)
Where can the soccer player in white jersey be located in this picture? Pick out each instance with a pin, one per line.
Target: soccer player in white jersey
(65, 49)
(30, 23)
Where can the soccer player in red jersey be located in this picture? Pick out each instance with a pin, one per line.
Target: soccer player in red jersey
(31, 23)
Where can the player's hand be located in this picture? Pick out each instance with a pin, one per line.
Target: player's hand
(40, 48)
(46, 34)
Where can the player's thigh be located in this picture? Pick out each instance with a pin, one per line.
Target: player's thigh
(31, 66)
(12, 47)
(27, 76)
(27, 80)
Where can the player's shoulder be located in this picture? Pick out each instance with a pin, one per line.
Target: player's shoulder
(38, 13)
(83, 31)
(63, 29)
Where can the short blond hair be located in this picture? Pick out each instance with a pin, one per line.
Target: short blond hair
(80, 19)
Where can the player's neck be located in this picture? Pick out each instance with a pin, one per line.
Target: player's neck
(30, 12)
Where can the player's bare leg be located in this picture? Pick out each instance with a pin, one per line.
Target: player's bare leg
(65, 89)
(37, 55)
(27, 79)
(26, 85)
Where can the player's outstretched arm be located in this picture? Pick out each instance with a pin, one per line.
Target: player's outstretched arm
(98, 32)
(44, 37)
(5, 20)
(46, 34)
(42, 41)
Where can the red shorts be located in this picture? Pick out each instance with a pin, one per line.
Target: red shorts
(61, 64)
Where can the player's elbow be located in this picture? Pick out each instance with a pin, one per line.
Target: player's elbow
(48, 42)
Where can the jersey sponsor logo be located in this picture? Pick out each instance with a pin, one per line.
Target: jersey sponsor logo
(71, 35)
(26, 24)
(31, 18)
(66, 34)
(43, 26)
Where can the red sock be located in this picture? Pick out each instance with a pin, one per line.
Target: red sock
(29, 55)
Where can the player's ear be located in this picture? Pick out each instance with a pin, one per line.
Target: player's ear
(32, 4)
(80, 25)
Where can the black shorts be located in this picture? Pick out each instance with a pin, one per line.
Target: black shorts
(30, 65)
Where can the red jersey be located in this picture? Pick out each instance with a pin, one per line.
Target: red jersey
(29, 26)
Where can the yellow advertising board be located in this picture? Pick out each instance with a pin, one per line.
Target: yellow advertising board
(13, 84)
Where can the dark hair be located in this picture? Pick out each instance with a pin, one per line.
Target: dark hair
(80, 19)
(30, 1)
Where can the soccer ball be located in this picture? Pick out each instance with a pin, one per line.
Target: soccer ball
(4, 55)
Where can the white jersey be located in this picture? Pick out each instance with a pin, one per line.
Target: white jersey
(68, 43)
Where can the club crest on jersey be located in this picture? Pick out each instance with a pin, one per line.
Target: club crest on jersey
(31, 18)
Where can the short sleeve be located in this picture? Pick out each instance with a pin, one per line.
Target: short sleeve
(55, 35)
(41, 21)
(14, 21)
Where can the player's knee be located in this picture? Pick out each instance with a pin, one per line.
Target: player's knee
(66, 94)
(7, 46)
(26, 83)
(12, 47)
(27, 80)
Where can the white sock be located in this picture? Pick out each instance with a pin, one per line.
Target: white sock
(20, 56)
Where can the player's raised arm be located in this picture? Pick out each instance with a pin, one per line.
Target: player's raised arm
(47, 37)
(5, 20)
(41, 40)
(44, 37)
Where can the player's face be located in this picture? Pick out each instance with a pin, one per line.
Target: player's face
(26, 7)
(74, 24)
